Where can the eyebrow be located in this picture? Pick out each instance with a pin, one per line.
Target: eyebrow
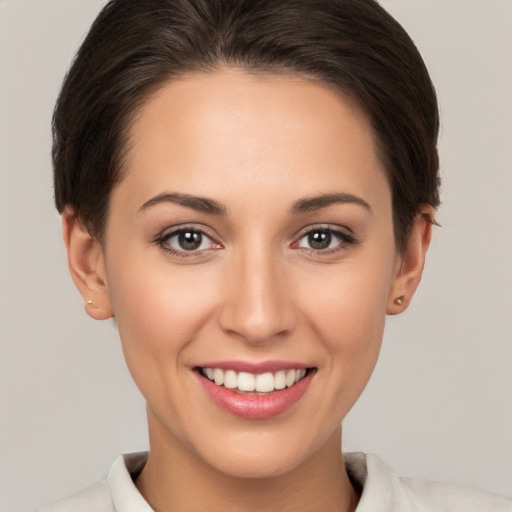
(210, 206)
(201, 204)
(313, 203)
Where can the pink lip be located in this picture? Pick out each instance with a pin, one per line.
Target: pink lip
(256, 368)
(255, 406)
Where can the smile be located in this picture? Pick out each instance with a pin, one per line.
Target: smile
(245, 382)
(255, 394)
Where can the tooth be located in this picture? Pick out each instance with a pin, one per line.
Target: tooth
(246, 381)
(290, 378)
(230, 379)
(280, 379)
(264, 382)
(218, 376)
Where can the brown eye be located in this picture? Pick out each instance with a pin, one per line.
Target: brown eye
(189, 240)
(319, 239)
(186, 240)
(325, 240)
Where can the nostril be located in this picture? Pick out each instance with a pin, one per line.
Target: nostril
(258, 327)
(255, 304)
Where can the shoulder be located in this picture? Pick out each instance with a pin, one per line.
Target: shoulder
(97, 498)
(384, 491)
(452, 498)
(116, 493)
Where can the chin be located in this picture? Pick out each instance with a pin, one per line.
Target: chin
(268, 454)
(257, 465)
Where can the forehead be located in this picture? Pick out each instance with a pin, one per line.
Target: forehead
(228, 130)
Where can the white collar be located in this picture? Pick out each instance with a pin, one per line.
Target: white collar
(125, 496)
(382, 490)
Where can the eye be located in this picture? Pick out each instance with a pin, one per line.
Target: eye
(186, 240)
(325, 239)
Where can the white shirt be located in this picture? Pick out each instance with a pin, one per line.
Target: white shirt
(383, 491)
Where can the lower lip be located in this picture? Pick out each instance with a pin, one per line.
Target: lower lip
(256, 407)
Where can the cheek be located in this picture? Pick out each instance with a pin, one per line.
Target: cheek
(350, 327)
(349, 303)
(347, 309)
(158, 310)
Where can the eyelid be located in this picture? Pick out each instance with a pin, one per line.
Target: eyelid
(345, 236)
(335, 228)
(162, 238)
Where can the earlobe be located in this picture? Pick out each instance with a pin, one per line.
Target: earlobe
(410, 262)
(86, 266)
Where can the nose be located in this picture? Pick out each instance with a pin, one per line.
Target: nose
(256, 301)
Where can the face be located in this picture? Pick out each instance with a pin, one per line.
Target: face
(249, 259)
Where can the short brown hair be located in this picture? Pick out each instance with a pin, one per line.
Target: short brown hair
(134, 47)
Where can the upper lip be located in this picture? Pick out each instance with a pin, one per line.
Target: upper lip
(253, 367)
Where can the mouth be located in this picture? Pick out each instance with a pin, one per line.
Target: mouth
(257, 394)
(254, 384)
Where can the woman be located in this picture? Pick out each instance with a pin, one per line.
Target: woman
(249, 188)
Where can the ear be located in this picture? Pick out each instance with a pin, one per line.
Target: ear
(87, 266)
(410, 262)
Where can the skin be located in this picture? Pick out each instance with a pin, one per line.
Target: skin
(255, 290)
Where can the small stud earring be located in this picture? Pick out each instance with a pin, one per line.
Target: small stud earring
(399, 300)
(89, 302)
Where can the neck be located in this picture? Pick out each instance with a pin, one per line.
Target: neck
(176, 479)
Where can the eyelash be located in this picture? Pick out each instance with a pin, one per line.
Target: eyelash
(345, 240)
(163, 242)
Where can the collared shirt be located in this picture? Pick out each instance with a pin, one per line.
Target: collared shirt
(383, 491)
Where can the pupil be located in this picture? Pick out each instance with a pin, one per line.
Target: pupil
(320, 239)
(189, 240)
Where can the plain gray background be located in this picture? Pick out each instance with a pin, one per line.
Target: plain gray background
(439, 403)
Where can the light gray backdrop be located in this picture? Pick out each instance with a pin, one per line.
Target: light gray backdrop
(439, 403)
